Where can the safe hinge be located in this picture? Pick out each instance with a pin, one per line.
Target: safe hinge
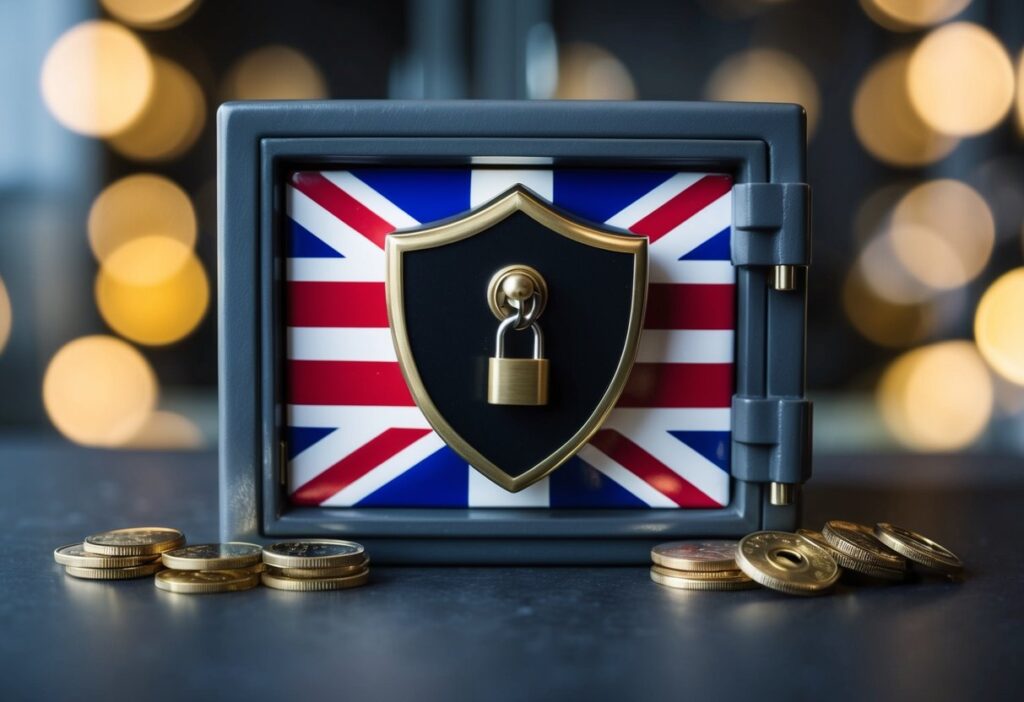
(771, 441)
(771, 227)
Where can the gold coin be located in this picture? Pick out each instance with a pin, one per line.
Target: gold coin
(696, 555)
(320, 572)
(136, 541)
(227, 556)
(200, 582)
(313, 553)
(701, 574)
(859, 541)
(919, 548)
(850, 563)
(280, 582)
(75, 555)
(680, 580)
(139, 571)
(786, 562)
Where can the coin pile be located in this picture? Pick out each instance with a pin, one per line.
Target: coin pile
(120, 554)
(698, 565)
(807, 562)
(315, 565)
(208, 568)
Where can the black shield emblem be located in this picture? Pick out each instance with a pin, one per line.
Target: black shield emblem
(444, 329)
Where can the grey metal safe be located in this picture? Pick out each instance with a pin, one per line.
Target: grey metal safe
(658, 250)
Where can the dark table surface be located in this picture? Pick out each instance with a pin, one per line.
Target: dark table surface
(505, 633)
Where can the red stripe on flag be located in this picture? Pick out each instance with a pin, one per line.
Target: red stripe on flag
(690, 306)
(683, 206)
(649, 469)
(343, 206)
(347, 383)
(356, 465)
(678, 385)
(316, 304)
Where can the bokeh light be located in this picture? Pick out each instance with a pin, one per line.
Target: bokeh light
(99, 391)
(960, 79)
(766, 75)
(97, 78)
(884, 272)
(908, 15)
(151, 14)
(943, 233)
(6, 316)
(275, 72)
(886, 122)
(882, 321)
(938, 397)
(590, 72)
(142, 205)
(156, 313)
(1020, 92)
(172, 120)
(167, 430)
(999, 325)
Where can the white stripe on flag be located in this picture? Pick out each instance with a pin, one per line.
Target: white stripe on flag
(631, 482)
(487, 184)
(339, 236)
(685, 346)
(626, 420)
(331, 270)
(376, 418)
(340, 344)
(387, 471)
(484, 493)
(326, 452)
(647, 204)
(663, 269)
(380, 205)
(697, 229)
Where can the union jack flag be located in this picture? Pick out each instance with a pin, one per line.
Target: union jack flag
(355, 436)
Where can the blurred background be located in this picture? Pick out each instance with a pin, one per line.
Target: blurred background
(916, 158)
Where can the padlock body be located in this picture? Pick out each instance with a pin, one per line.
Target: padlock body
(517, 381)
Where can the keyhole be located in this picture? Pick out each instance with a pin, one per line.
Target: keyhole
(790, 559)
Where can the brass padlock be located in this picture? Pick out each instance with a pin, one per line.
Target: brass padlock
(517, 381)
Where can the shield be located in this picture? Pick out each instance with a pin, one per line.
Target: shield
(444, 329)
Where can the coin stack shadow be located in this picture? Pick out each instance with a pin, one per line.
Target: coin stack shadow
(315, 565)
(698, 565)
(201, 569)
(120, 554)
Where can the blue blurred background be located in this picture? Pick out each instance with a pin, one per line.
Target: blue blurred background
(107, 194)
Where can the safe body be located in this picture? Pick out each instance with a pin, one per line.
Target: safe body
(735, 172)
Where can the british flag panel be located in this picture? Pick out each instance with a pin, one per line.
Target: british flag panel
(356, 438)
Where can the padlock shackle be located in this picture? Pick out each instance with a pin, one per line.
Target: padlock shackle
(499, 341)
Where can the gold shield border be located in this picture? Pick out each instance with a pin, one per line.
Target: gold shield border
(516, 199)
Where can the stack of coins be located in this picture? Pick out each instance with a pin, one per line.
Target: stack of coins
(209, 568)
(121, 554)
(805, 563)
(315, 565)
(698, 565)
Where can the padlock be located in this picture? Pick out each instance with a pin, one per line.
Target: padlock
(517, 381)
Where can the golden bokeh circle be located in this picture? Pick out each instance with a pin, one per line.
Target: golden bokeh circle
(151, 14)
(167, 430)
(908, 15)
(590, 72)
(97, 78)
(99, 391)
(881, 321)
(938, 397)
(943, 233)
(960, 79)
(999, 326)
(766, 75)
(153, 314)
(138, 206)
(275, 72)
(886, 123)
(6, 317)
(172, 120)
